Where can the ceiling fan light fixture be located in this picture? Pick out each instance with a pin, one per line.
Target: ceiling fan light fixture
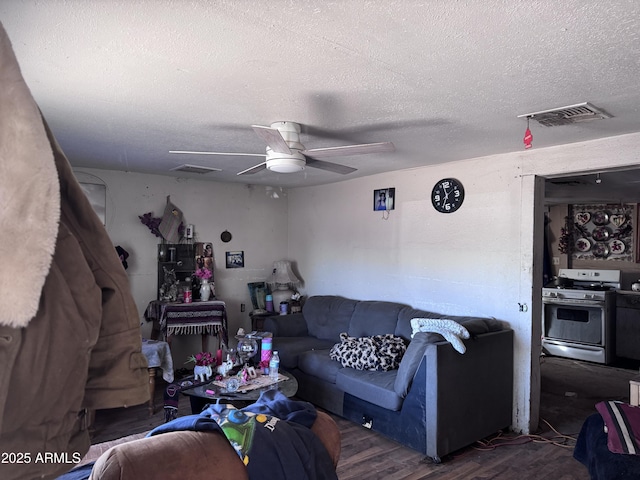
(284, 163)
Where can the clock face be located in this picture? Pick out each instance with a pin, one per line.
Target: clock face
(447, 195)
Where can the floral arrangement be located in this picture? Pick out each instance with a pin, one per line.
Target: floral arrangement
(203, 273)
(564, 242)
(202, 359)
(153, 224)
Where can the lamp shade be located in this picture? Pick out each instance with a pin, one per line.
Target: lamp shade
(281, 281)
(282, 275)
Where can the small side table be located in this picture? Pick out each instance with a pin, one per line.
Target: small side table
(158, 356)
(198, 318)
(634, 392)
(257, 320)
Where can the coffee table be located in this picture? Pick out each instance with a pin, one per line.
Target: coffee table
(201, 395)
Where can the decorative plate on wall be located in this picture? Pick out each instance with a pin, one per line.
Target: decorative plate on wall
(582, 218)
(617, 246)
(618, 220)
(600, 218)
(225, 236)
(601, 250)
(583, 245)
(601, 234)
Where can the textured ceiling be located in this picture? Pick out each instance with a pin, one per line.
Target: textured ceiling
(124, 82)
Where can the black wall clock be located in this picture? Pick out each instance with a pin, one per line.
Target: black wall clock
(447, 195)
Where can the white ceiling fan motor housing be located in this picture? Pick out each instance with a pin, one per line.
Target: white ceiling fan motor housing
(285, 162)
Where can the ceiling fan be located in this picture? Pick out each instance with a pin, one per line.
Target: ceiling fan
(285, 153)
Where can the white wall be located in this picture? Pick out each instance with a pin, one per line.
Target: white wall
(479, 260)
(256, 219)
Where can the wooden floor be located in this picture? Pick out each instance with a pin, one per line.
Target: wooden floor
(570, 389)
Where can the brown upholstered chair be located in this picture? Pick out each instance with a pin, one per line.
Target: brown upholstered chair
(187, 454)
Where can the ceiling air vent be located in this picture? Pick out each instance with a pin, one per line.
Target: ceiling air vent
(195, 169)
(581, 112)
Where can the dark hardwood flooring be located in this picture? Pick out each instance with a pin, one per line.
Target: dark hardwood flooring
(570, 389)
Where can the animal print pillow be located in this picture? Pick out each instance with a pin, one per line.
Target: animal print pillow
(379, 352)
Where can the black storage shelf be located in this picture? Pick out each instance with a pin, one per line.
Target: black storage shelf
(183, 261)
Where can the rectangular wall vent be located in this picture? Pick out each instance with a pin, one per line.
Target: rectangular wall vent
(195, 169)
(580, 112)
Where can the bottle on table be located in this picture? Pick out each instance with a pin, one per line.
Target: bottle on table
(274, 364)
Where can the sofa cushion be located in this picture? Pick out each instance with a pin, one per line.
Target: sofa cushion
(289, 348)
(374, 318)
(411, 361)
(373, 387)
(319, 364)
(327, 316)
(378, 352)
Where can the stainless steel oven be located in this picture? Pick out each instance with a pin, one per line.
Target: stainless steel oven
(579, 316)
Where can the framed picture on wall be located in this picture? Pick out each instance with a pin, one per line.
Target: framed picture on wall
(235, 259)
(603, 232)
(258, 292)
(384, 199)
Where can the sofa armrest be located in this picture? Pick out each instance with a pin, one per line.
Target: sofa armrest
(188, 454)
(468, 396)
(293, 325)
(171, 456)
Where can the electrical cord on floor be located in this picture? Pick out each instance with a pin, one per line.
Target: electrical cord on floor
(502, 440)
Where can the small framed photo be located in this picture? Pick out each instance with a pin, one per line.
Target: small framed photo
(258, 292)
(235, 259)
(384, 199)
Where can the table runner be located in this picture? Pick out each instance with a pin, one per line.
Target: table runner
(190, 318)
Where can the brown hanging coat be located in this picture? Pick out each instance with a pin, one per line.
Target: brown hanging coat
(69, 328)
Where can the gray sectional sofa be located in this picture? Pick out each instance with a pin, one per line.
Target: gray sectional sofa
(436, 402)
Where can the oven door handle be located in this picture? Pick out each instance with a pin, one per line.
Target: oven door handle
(572, 302)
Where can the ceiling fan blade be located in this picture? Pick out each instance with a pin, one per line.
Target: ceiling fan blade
(330, 167)
(220, 153)
(350, 150)
(254, 169)
(273, 138)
